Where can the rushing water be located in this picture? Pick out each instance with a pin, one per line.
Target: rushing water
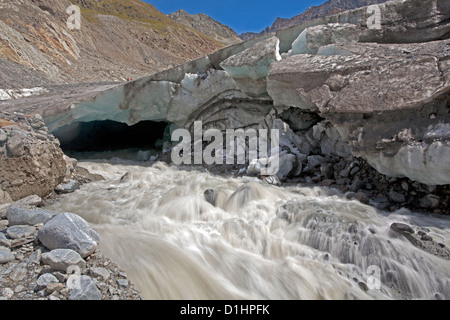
(258, 241)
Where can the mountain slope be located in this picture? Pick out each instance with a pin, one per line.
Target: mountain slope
(118, 39)
(206, 25)
(328, 8)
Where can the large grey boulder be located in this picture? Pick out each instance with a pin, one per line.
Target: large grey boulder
(69, 231)
(21, 216)
(31, 161)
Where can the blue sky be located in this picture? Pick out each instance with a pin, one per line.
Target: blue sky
(241, 15)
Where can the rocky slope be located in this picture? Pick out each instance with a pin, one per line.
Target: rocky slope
(118, 39)
(206, 25)
(328, 8)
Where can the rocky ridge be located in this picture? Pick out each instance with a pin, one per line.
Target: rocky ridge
(118, 40)
(206, 25)
(330, 7)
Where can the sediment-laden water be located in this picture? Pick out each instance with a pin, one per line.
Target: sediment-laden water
(257, 242)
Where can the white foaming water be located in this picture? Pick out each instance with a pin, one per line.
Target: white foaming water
(258, 242)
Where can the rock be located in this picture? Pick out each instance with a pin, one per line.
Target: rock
(3, 136)
(273, 180)
(69, 231)
(362, 197)
(5, 198)
(68, 187)
(6, 292)
(5, 255)
(125, 178)
(288, 163)
(397, 197)
(430, 201)
(19, 232)
(85, 290)
(402, 228)
(15, 145)
(4, 242)
(61, 259)
(100, 273)
(123, 283)
(313, 162)
(45, 280)
(356, 185)
(53, 287)
(35, 257)
(21, 216)
(210, 196)
(19, 273)
(33, 201)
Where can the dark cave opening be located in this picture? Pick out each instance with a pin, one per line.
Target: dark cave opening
(110, 136)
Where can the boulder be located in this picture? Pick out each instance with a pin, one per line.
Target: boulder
(5, 255)
(32, 162)
(31, 217)
(68, 187)
(86, 289)
(69, 231)
(61, 259)
(19, 232)
(45, 280)
(5, 198)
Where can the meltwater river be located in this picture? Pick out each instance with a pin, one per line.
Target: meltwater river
(258, 242)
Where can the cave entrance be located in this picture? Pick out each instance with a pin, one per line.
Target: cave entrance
(109, 139)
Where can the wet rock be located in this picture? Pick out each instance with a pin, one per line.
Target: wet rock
(273, 180)
(430, 201)
(402, 228)
(210, 196)
(125, 178)
(356, 184)
(397, 197)
(68, 187)
(69, 231)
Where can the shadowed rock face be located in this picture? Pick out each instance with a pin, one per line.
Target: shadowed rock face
(385, 101)
(31, 161)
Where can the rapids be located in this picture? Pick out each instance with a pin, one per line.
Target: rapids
(257, 242)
